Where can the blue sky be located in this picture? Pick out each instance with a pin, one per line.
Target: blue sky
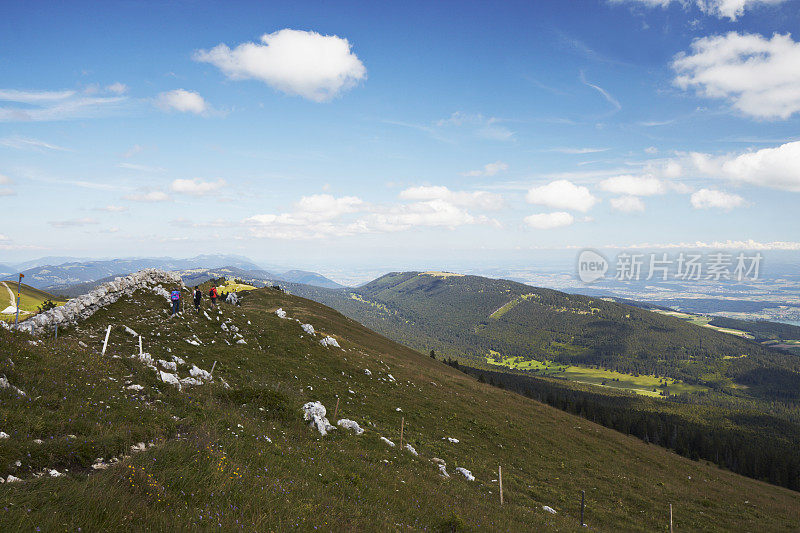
(365, 133)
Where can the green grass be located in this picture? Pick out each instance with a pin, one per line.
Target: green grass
(211, 467)
(30, 300)
(703, 320)
(641, 384)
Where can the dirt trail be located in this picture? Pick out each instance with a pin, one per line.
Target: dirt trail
(11, 297)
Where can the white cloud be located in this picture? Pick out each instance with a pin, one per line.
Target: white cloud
(183, 101)
(758, 75)
(627, 204)
(5, 180)
(43, 106)
(4, 237)
(117, 88)
(729, 244)
(731, 9)
(22, 143)
(151, 196)
(112, 209)
(605, 94)
(485, 127)
(196, 187)
(490, 169)
(7, 192)
(562, 194)
(34, 97)
(132, 151)
(140, 168)
(777, 168)
(651, 150)
(711, 198)
(304, 63)
(633, 185)
(558, 219)
(74, 222)
(476, 199)
(326, 216)
(578, 151)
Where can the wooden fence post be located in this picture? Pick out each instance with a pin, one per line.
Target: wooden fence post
(140, 345)
(402, 425)
(500, 478)
(670, 518)
(583, 505)
(105, 342)
(336, 411)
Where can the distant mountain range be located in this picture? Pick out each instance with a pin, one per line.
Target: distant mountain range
(73, 277)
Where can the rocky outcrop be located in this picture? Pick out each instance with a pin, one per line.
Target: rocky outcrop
(83, 307)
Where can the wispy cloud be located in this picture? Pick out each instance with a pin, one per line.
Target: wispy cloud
(22, 143)
(610, 99)
(73, 222)
(140, 168)
(45, 106)
(577, 151)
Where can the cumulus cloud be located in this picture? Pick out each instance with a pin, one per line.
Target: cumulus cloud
(557, 219)
(759, 76)
(777, 168)
(627, 204)
(489, 169)
(196, 187)
(633, 185)
(730, 9)
(303, 63)
(714, 199)
(476, 199)
(562, 194)
(151, 196)
(183, 101)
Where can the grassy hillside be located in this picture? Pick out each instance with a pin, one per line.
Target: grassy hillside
(30, 299)
(471, 317)
(242, 457)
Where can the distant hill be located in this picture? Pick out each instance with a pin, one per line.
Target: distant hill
(309, 278)
(471, 317)
(59, 277)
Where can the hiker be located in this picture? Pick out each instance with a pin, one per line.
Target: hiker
(175, 296)
(198, 295)
(212, 293)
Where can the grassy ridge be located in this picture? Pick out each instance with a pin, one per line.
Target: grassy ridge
(211, 465)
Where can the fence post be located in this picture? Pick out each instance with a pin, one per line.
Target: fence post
(500, 478)
(583, 505)
(402, 425)
(105, 342)
(55, 334)
(140, 345)
(670, 518)
(336, 411)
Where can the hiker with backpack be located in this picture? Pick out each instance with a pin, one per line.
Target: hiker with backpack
(198, 296)
(212, 293)
(175, 296)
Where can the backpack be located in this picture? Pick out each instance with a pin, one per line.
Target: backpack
(176, 295)
(213, 292)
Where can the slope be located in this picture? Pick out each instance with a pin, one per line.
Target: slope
(129, 451)
(30, 299)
